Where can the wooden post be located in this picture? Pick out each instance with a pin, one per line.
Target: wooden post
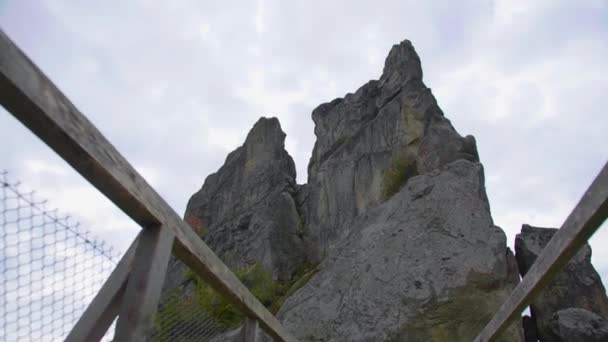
(249, 331)
(139, 304)
(585, 219)
(103, 309)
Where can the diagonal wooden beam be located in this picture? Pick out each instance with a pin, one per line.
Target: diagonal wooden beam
(585, 219)
(103, 309)
(144, 285)
(35, 101)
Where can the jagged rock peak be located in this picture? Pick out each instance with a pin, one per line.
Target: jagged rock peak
(402, 64)
(367, 136)
(263, 151)
(237, 205)
(266, 132)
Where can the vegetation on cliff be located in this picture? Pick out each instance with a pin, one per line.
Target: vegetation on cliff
(203, 302)
(402, 169)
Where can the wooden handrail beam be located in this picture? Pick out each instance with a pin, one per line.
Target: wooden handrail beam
(35, 101)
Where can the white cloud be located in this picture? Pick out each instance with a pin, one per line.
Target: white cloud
(41, 168)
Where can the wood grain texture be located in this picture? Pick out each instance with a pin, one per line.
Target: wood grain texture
(35, 101)
(139, 304)
(585, 219)
(103, 309)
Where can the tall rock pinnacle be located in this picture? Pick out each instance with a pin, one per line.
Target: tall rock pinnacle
(396, 200)
(238, 204)
(362, 136)
(246, 211)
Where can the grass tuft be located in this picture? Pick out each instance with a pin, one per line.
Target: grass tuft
(178, 312)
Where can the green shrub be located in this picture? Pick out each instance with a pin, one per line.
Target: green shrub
(260, 283)
(177, 312)
(402, 169)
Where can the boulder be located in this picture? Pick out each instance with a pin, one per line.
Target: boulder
(577, 286)
(426, 265)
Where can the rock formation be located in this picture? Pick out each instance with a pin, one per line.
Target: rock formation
(364, 134)
(394, 213)
(248, 205)
(246, 211)
(573, 307)
(426, 265)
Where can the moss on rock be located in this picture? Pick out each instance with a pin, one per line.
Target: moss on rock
(402, 169)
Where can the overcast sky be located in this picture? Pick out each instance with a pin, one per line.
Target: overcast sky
(176, 85)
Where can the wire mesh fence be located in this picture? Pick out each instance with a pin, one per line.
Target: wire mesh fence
(181, 318)
(50, 268)
(190, 310)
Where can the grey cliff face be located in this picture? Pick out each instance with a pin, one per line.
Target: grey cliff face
(246, 211)
(361, 135)
(426, 265)
(573, 307)
(248, 205)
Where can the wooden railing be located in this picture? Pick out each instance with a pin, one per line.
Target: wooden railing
(132, 291)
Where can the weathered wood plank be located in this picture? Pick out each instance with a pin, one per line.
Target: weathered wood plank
(585, 219)
(249, 331)
(99, 315)
(35, 101)
(144, 285)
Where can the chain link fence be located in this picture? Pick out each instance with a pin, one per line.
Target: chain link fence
(181, 318)
(50, 268)
(190, 310)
